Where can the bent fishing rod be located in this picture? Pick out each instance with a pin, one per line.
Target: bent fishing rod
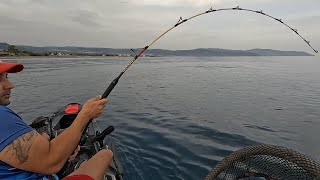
(181, 21)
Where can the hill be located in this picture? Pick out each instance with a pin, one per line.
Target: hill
(159, 52)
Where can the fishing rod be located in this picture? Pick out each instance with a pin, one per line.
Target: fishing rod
(181, 21)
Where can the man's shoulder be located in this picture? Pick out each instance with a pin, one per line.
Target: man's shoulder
(11, 127)
(9, 119)
(4, 109)
(6, 112)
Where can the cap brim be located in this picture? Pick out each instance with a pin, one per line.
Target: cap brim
(10, 67)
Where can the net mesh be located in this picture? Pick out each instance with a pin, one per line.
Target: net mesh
(265, 162)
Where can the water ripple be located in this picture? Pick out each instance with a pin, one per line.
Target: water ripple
(176, 117)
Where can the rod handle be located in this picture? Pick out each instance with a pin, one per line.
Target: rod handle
(110, 88)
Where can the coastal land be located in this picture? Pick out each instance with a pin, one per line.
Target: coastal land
(7, 50)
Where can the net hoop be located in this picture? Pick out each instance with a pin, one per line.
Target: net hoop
(286, 155)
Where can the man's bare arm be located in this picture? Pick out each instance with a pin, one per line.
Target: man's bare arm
(34, 152)
(20, 147)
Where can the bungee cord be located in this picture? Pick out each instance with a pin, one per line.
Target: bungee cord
(181, 21)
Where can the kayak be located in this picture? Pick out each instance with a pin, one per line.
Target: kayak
(92, 140)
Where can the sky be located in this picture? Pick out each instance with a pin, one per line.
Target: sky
(136, 23)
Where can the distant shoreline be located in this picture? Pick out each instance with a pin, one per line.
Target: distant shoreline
(60, 57)
(74, 51)
(123, 57)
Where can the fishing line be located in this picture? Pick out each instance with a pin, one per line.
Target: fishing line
(181, 21)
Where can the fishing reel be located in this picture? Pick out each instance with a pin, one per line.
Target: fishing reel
(98, 137)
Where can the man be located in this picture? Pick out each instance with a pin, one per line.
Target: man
(25, 154)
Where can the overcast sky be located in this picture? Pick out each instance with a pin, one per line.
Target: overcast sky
(135, 23)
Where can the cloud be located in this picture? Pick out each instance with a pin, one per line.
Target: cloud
(85, 17)
(176, 2)
(133, 23)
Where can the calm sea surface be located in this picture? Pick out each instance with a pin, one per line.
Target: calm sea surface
(176, 117)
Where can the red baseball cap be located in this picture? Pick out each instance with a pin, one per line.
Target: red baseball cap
(10, 67)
